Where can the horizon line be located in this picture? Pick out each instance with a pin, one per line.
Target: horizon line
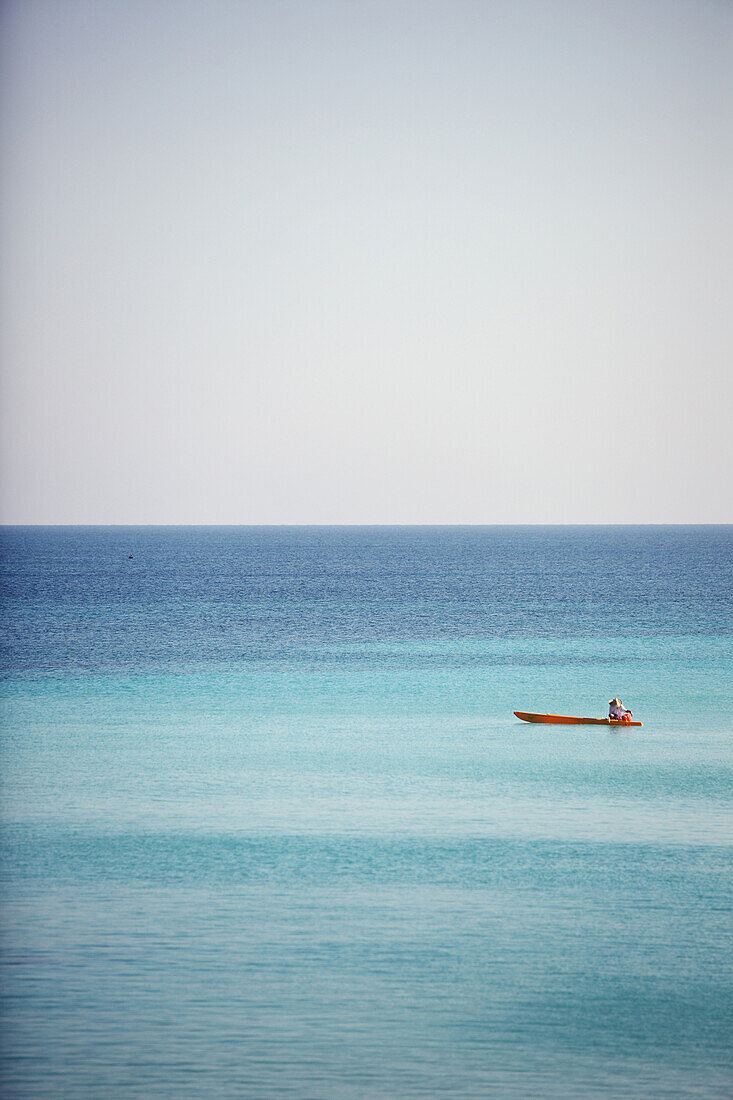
(707, 523)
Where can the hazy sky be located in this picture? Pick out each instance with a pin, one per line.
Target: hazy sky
(322, 261)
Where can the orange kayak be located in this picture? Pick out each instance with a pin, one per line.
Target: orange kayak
(564, 720)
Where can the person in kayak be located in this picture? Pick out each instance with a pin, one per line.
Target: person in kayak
(617, 710)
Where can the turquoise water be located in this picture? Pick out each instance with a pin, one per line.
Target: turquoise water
(271, 829)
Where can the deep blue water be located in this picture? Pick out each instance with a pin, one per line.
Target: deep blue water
(271, 829)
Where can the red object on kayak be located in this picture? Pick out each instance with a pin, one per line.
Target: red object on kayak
(566, 720)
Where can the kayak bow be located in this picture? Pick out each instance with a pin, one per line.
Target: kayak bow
(566, 720)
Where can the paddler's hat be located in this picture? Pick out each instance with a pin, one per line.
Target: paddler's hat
(615, 703)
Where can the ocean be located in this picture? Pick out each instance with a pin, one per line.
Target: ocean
(271, 829)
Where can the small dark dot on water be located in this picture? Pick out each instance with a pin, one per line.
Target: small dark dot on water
(130, 557)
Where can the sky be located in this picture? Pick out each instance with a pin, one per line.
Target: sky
(355, 261)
